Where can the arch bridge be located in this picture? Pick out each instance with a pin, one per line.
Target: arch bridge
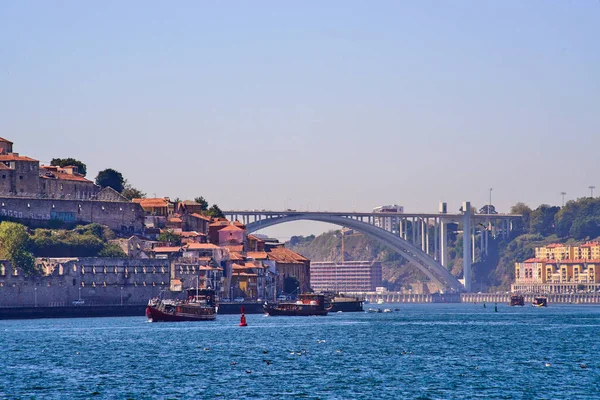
(402, 233)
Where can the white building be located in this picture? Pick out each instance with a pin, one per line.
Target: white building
(390, 224)
(349, 276)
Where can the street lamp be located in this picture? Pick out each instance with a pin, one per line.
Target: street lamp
(79, 293)
(563, 197)
(35, 296)
(121, 295)
(490, 204)
(592, 190)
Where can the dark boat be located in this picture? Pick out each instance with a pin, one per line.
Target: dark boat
(307, 304)
(346, 304)
(517, 300)
(199, 306)
(540, 302)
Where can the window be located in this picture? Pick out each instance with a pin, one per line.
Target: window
(3, 176)
(21, 177)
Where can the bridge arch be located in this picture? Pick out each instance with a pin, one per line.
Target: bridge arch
(433, 269)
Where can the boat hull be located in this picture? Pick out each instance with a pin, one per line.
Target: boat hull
(296, 312)
(347, 306)
(156, 315)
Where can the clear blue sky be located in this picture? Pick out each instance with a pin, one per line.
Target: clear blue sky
(321, 105)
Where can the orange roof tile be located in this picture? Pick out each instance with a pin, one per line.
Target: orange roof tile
(219, 223)
(201, 246)
(14, 157)
(257, 255)
(255, 238)
(237, 247)
(175, 220)
(281, 254)
(231, 228)
(166, 249)
(152, 202)
(189, 234)
(196, 215)
(235, 256)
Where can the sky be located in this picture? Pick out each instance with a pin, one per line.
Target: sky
(339, 105)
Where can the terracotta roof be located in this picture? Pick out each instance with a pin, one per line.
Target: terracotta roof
(231, 228)
(237, 247)
(5, 140)
(590, 244)
(152, 202)
(257, 255)
(196, 215)
(242, 274)
(14, 157)
(166, 249)
(255, 238)
(238, 223)
(175, 220)
(201, 246)
(189, 234)
(281, 254)
(219, 223)
(532, 260)
(63, 176)
(235, 256)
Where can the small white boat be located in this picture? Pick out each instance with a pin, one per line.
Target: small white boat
(387, 310)
(380, 301)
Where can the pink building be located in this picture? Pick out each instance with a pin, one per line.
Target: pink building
(231, 235)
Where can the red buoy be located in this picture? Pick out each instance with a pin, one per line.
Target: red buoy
(243, 319)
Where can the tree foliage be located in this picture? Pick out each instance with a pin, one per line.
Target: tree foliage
(215, 212)
(203, 203)
(14, 246)
(129, 192)
(170, 237)
(63, 162)
(110, 178)
(579, 219)
(541, 220)
(84, 241)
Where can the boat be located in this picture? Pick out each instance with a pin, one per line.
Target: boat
(372, 310)
(339, 302)
(380, 301)
(516, 300)
(540, 302)
(387, 310)
(200, 305)
(307, 304)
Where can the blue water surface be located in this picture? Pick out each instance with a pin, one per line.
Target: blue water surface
(428, 351)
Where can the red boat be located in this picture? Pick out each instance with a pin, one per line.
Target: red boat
(307, 304)
(199, 306)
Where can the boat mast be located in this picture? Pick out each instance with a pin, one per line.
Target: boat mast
(197, 284)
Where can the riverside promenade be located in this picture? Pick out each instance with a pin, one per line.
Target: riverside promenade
(398, 297)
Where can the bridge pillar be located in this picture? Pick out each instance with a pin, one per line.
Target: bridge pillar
(443, 243)
(466, 245)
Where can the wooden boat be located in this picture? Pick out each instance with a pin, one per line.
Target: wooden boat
(340, 302)
(540, 302)
(199, 306)
(307, 304)
(517, 300)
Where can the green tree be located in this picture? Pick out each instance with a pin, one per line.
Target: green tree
(170, 237)
(63, 162)
(110, 178)
(112, 250)
(215, 212)
(14, 246)
(542, 220)
(203, 203)
(129, 192)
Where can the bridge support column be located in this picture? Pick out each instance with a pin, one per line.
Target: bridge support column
(436, 233)
(444, 243)
(466, 245)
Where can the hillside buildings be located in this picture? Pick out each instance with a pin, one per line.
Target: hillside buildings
(560, 268)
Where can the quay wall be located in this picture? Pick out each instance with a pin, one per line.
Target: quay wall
(129, 310)
(397, 297)
(39, 212)
(97, 281)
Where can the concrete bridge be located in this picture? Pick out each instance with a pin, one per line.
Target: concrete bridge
(420, 238)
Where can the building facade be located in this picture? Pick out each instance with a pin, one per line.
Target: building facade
(559, 268)
(349, 276)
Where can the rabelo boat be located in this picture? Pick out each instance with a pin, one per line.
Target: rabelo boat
(306, 305)
(200, 305)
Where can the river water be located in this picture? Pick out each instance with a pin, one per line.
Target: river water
(429, 351)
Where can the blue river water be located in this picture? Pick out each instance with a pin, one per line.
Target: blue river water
(429, 351)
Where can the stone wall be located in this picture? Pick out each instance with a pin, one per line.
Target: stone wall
(96, 280)
(119, 216)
